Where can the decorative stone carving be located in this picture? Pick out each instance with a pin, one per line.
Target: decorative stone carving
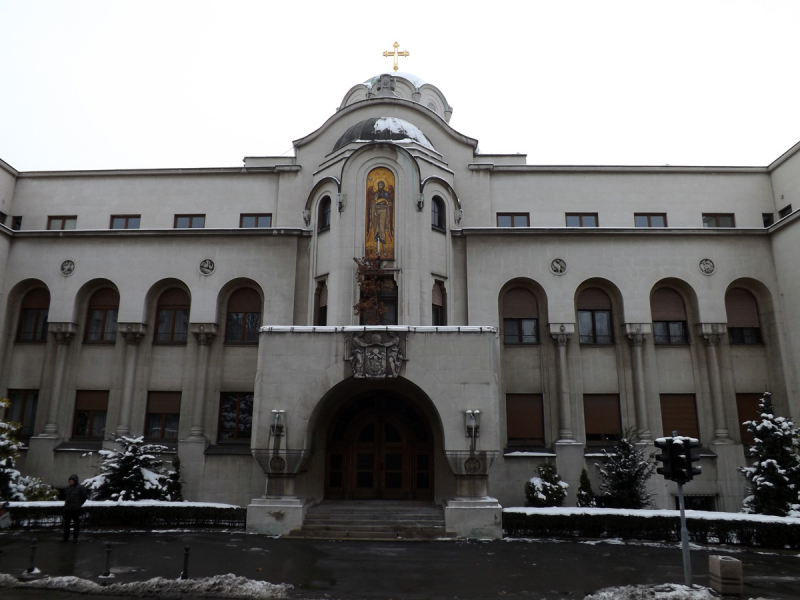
(375, 355)
(561, 339)
(558, 266)
(472, 466)
(277, 464)
(207, 266)
(706, 266)
(307, 217)
(712, 339)
(204, 335)
(67, 268)
(420, 202)
(341, 202)
(64, 337)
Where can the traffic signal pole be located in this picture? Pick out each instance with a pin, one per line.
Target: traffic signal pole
(687, 563)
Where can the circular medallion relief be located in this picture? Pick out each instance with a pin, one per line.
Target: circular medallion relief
(472, 465)
(707, 266)
(207, 266)
(67, 268)
(277, 464)
(558, 266)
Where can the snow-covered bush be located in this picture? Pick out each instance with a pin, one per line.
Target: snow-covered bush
(134, 472)
(625, 472)
(585, 491)
(774, 477)
(547, 489)
(14, 485)
(174, 491)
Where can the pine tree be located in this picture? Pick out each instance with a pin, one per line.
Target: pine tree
(174, 491)
(14, 485)
(585, 491)
(625, 473)
(547, 489)
(774, 478)
(131, 473)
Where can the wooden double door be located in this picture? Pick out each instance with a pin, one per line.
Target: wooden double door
(379, 448)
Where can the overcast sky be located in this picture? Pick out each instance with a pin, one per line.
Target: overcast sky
(151, 84)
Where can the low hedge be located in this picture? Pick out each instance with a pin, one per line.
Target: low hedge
(606, 523)
(159, 516)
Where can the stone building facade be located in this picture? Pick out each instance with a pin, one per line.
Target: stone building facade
(533, 313)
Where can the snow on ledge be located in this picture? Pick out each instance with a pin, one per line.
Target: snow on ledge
(366, 328)
(520, 453)
(143, 503)
(690, 514)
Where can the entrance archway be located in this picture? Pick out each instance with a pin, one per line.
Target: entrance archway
(379, 446)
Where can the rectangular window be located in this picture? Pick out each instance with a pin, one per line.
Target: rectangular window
(243, 327)
(520, 331)
(3, 217)
(744, 336)
(125, 221)
(525, 419)
(33, 325)
(768, 219)
(602, 418)
(747, 410)
(594, 327)
(61, 223)
(255, 220)
(190, 221)
(16, 223)
(670, 332)
(650, 220)
(718, 220)
(163, 413)
(173, 326)
(785, 211)
(679, 413)
(22, 411)
(235, 416)
(90, 414)
(581, 219)
(102, 326)
(513, 219)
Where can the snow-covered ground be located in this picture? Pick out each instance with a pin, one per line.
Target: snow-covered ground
(690, 514)
(668, 591)
(149, 503)
(221, 586)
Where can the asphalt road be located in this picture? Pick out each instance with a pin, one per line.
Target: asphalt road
(534, 569)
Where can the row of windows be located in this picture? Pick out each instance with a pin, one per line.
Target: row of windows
(161, 421)
(521, 323)
(62, 223)
(172, 320)
(714, 220)
(603, 421)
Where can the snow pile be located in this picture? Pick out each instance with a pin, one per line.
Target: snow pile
(668, 591)
(411, 132)
(690, 514)
(142, 503)
(221, 586)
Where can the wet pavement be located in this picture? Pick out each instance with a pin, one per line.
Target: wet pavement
(534, 569)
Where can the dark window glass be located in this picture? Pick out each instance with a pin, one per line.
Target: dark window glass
(581, 219)
(513, 220)
(90, 414)
(256, 220)
(125, 222)
(62, 223)
(190, 221)
(520, 331)
(173, 317)
(670, 332)
(594, 327)
(22, 411)
(163, 415)
(244, 316)
(33, 316)
(101, 321)
(718, 220)
(324, 214)
(16, 223)
(388, 297)
(768, 219)
(437, 214)
(744, 335)
(650, 220)
(235, 416)
(785, 211)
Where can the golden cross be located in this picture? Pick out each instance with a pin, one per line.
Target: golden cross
(396, 54)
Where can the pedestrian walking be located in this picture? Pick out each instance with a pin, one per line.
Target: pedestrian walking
(74, 497)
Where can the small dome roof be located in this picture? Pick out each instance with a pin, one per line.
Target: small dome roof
(380, 129)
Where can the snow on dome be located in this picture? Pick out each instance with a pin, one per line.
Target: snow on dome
(387, 129)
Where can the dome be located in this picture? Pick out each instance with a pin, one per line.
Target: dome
(383, 129)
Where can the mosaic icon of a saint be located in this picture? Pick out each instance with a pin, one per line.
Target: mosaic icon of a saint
(380, 214)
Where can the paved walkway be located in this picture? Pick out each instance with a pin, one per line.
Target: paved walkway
(389, 570)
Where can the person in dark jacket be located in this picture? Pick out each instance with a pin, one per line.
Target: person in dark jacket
(74, 497)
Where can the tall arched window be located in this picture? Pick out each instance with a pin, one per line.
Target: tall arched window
(594, 317)
(321, 302)
(437, 214)
(669, 317)
(173, 317)
(324, 214)
(438, 310)
(744, 326)
(520, 317)
(244, 317)
(33, 316)
(102, 318)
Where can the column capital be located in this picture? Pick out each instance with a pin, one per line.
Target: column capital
(63, 332)
(132, 333)
(712, 332)
(204, 332)
(561, 332)
(637, 332)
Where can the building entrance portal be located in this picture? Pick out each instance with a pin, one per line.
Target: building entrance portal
(379, 446)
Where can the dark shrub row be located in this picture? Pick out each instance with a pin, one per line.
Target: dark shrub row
(136, 517)
(653, 528)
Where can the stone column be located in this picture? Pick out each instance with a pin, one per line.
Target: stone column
(63, 333)
(563, 332)
(636, 334)
(132, 333)
(712, 334)
(205, 334)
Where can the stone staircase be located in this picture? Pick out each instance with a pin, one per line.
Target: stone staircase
(373, 520)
